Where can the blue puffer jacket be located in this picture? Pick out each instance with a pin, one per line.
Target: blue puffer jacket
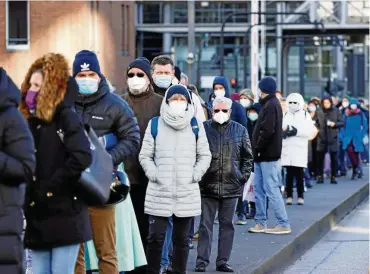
(237, 111)
(355, 128)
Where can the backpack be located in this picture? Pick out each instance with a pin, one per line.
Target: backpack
(193, 123)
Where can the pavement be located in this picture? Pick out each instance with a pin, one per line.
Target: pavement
(260, 253)
(344, 250)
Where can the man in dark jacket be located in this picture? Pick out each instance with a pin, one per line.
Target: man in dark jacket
(267, 145)
(106, 113)
(17, 165)
(146, 104)
(221, 186)
(329, 120)
(221, 89)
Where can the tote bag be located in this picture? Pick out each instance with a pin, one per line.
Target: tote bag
(248, 192)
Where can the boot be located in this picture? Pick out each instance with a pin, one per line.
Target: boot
(333, 180)
(320, 180)
(354, 173)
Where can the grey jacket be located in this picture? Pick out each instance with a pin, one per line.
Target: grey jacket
(174, 163)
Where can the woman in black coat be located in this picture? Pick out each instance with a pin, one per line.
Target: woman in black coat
(17, 164)
(57, 220)
(328, 121)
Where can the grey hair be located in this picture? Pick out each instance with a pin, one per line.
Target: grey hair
(222, 100)
(183, 75)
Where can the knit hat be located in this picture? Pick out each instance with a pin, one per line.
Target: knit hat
(86, 60)
(256, 107)
(178, 89)
(247, 92)
(267, 85)
(235, 96)
(354, 101)
(178, 73)
(143, 64)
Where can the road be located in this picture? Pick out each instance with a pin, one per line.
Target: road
(344, 250)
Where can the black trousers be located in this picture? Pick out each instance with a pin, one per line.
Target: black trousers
(297, 173)
(180, 240)
(321, 161)
(137, 193)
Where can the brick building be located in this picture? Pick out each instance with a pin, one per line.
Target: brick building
(29, 29)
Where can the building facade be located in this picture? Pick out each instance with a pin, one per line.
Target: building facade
(296, 49)
(29, 29)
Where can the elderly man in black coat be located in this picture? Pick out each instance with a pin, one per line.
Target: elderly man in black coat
(17, 164)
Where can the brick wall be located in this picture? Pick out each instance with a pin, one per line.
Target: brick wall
(68, 27)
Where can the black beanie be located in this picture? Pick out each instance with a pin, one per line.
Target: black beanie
(178, 89)
(267, 85)
(143, 64)
(178, 73)
(86, 60)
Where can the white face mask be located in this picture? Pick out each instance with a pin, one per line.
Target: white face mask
(221, 117)
(293, 107)
(137, 85)
(246, 103)
(345, 104)
(178, 108)
(253, 116)
(353, 106)
(311, 108)
(220, 93)
(163, 81)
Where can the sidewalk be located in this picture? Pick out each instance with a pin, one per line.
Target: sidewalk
(344, 250)
(262, 253)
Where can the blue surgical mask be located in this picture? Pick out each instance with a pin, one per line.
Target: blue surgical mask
(252, 116)
(163, 81)
(87, 86)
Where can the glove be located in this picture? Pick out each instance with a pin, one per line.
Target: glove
(285, 134)
(365, 140)
(292, 132)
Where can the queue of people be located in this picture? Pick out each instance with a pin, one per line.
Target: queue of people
(182, 156)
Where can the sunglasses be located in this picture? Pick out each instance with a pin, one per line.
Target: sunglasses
(139, 74)
(223, 110)
(295, 103)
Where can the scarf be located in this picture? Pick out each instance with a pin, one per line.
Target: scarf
(350, 112)
(179, 122)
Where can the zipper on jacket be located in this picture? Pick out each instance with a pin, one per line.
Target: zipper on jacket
(222, 161)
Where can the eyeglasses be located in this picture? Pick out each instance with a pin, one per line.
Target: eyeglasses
(295, 103)
(223, 110)
(139, 74)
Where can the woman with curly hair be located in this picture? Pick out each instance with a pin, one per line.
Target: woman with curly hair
(57, 219)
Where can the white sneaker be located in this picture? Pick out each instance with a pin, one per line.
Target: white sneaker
(300, 201)
(289, 201)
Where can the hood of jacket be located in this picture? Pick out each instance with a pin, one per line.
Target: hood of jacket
(221, 80)
(297, 98)
(9, 92)
(55, 71)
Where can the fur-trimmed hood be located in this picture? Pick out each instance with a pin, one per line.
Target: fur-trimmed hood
(53, 91)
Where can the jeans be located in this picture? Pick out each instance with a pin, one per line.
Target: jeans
(266, 185)
(167, 245)
(226, 209)
(180, 238)
(59, 260)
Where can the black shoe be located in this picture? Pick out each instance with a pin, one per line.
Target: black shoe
(354, 173)
(333, 181)
(320, 180)
(308, 184)
(200, 268)
(251, 214)
(224, 268)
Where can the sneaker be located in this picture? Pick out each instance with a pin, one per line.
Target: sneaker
(224, 268)
(196, 236)
(241, 220)
(257, 229)
(278, 230)
(289, 201)
(300, 201)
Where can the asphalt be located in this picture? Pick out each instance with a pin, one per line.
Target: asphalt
(254, 253)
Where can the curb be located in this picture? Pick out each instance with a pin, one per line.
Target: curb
(282, 259)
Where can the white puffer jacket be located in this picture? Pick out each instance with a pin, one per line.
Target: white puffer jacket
(174, 163)
(295, 149)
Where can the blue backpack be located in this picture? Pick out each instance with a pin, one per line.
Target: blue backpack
(193, 123)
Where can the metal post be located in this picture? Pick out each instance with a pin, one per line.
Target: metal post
(301, 66)
(263, 36)
(254, 48)
(279, 47)
(191, 38)
(167, 39)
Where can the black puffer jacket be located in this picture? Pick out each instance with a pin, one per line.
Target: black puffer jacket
(17, 164)
(106, 113)
(232, 160)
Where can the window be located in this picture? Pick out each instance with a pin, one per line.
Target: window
(125, 17)
(17, 25)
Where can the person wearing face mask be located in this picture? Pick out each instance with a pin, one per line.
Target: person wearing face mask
(297, 129)
(355, 134)
(174, 155)
(246, 98)
(329, 121)
(57, 219)
(17, 164)
(106, 113)
(222, 185)
(312, 145)
(163, 73)
(221, 89)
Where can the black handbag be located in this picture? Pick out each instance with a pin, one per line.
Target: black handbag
(96, 180)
